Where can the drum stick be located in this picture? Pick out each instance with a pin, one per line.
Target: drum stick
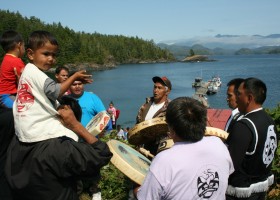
(146, 152)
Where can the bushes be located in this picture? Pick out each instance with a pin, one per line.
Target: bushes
(274, 192)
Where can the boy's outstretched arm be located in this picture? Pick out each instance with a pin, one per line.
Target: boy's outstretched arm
(80, 75)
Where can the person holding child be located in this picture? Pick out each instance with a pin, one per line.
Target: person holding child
(50, 169)
(11, 66)
(45, 152)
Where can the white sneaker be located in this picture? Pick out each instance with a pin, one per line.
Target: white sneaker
(96, 196)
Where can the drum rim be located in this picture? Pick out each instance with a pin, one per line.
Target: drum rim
(95, 130)
(136, 130)
(123, 166)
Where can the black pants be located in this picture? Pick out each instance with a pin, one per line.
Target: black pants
(7, 132)
(254, 196)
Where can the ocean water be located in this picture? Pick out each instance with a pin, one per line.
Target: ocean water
(128, 85)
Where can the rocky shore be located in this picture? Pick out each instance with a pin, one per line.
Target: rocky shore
(197, 58)
(109, 65)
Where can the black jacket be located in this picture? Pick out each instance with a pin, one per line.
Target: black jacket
(50, 169)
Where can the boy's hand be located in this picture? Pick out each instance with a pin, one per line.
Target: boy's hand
(83, 76)
(68, 119)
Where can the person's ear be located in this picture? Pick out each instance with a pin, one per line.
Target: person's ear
(30, 54)
(250, 97)
(167, 91)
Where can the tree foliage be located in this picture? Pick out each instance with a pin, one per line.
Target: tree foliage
(81, 47)
(274, 192)
(191, 52)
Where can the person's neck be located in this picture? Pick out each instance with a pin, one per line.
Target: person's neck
(176, 138)
(12, 54)
(77, 96)
(253, 107)
(160, 101)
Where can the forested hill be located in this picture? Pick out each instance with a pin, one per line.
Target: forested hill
(87, 48)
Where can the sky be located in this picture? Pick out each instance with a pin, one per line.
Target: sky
(157, 20)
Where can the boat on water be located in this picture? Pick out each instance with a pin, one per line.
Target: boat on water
(216, 80)
(213, 85)
(197, 82)
(212, 88)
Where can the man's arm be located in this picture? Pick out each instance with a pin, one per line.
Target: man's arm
(238, 143)
(69, 120)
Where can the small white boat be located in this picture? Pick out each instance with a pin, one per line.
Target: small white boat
(216, 80)
(212, 88)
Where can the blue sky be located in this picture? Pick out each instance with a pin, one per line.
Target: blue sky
(158, 20)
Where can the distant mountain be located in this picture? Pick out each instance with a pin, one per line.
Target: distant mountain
(224, 45)
(233, 42)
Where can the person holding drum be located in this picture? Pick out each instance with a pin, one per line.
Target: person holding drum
(91, 105)
(155, 107)
(196, 166)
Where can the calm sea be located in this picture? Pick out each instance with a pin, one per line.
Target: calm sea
(128, 85)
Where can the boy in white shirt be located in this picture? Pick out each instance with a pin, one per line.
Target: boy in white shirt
(34, 109)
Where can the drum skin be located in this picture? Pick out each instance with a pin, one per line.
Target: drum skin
(129, 161)
(147, 131)
(97, 124)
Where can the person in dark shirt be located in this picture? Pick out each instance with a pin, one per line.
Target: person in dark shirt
(50, 169)
(252, 144)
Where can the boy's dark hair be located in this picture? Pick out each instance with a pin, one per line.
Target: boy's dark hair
(37, 39)
(187, 117)
(10, 39)
(58, 69)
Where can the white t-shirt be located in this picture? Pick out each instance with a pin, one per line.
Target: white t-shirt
(120, 134)
(34, 114)
(153, 109)
(189, 171)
